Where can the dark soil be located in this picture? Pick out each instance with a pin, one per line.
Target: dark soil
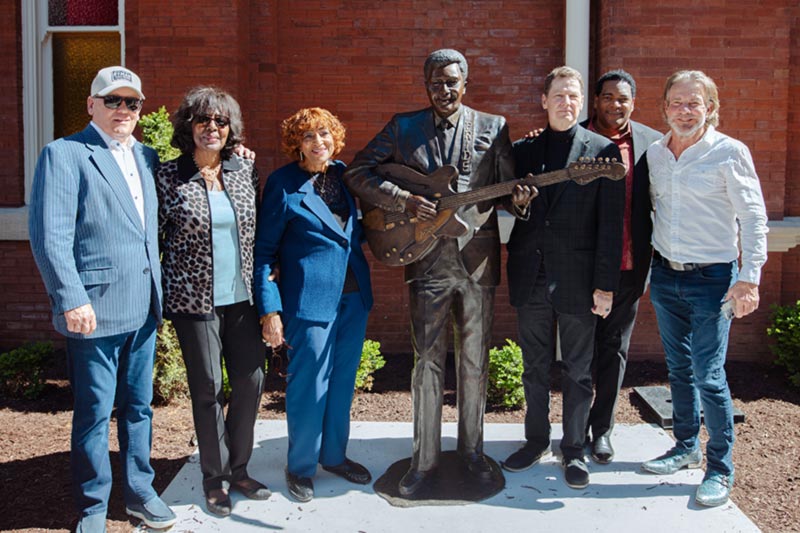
(34, 441)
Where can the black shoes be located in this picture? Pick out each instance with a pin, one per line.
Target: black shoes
(301, 488)
(351, 471)
(478, 466)
(525, 457)
(251, 489)
(602, 451)
(218, 502)
(413, 481)
(576, 473)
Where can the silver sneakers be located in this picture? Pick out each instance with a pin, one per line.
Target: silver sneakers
(674, 460)
(714, 490)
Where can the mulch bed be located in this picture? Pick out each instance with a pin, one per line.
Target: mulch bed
(34, 462)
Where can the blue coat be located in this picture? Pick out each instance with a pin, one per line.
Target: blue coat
(297, 231)
(87, 237)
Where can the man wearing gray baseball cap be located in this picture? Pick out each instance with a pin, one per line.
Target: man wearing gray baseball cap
(93, 230)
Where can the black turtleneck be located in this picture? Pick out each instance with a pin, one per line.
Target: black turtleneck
(557, 147)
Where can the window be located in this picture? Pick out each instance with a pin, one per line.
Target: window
(65, 43)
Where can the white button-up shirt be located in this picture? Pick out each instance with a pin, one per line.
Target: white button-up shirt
(703, 199)
(123, 155)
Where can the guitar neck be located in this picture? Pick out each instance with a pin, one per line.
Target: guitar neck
(490, 192)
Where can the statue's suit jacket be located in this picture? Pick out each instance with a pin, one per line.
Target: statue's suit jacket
(87, 237)
(578, 232)
(410, 139)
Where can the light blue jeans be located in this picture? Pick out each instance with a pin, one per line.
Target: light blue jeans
(694, 334)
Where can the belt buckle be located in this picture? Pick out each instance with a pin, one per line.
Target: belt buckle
(679, 267)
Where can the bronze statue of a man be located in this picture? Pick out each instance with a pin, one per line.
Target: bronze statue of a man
(457, 278)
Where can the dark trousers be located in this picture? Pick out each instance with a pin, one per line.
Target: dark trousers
(449, 296)
(235, 336)
(537, 320)
(612, 340)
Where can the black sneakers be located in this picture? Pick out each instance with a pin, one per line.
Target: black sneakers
(576, 473)
(525, 457)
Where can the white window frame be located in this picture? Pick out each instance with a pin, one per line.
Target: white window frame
(37, 97)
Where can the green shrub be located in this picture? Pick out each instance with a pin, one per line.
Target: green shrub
(169, 373)
(505, 376)
(22, 370)
(157, 133)
(371, 361)
(226, 384)
(785, 329)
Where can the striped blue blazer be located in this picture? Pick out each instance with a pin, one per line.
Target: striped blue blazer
(87, 237)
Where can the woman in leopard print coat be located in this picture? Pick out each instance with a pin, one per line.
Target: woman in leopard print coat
(207, 221)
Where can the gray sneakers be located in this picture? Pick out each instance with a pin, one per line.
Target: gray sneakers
(714, 490)
(155, 513)
(674, 460)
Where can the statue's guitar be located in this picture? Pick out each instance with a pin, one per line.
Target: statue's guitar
(398, 239)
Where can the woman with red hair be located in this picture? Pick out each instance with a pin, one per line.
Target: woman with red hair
(309, 229)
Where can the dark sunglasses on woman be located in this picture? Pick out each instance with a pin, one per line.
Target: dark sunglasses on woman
(205, 120)
(113, 101)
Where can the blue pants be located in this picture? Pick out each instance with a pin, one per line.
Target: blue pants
(319, 389)
(104, 372)
(695, 337)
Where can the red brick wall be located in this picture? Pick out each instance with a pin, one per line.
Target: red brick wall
(791, 260)
(25, 309)
(752, 72)
(12, 187)
(792, 197)
(363, 60)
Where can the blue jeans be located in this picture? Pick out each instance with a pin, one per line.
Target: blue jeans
(694, 333)
(104, 372)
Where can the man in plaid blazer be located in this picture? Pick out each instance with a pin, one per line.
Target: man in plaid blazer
(563, 266)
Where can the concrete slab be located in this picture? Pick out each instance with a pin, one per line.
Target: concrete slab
(658, 400)
(619, 498)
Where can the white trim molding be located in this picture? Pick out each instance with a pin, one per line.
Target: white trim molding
(576, 45)
(783, 234)
(14, 223)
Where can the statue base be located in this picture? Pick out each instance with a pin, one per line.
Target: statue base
(451, 484)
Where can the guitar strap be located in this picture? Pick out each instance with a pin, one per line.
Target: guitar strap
(465, 165)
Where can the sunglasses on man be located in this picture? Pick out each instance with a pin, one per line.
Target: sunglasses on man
(205, 120)
(112, 101)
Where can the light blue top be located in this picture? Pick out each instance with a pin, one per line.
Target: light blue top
(229, 287)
